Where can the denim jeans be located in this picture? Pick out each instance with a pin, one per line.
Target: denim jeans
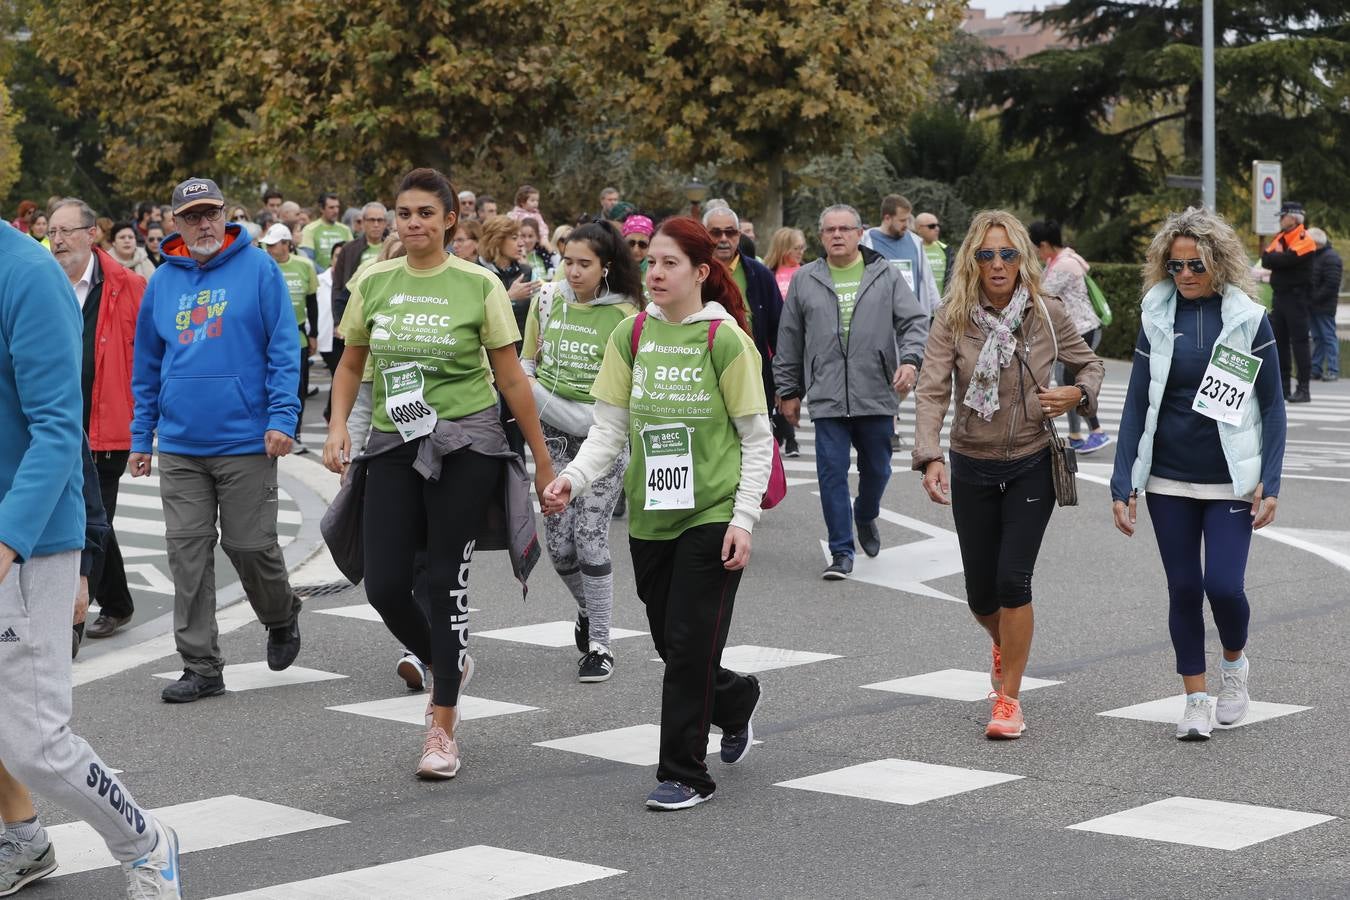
(871, 437)
(1326, 349)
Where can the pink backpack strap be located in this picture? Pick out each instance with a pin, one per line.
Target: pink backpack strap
(712, 332)
(637, 332)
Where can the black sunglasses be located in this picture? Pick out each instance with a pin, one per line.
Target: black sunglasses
(1174, 266)
(634, 243)
(1007, 254)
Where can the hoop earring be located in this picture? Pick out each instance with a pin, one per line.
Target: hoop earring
(604, 281)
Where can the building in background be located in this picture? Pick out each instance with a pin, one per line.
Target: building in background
(1012, 35)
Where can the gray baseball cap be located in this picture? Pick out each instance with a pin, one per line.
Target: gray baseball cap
(196, 192)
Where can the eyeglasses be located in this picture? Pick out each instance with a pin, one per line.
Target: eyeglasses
(371, 220)
(1175, 266)
(1007, 254)
(934, 225)
(193, 218)
(724, 232)
(839, 229)
(241, 217)
(638, 243)
(64, 233)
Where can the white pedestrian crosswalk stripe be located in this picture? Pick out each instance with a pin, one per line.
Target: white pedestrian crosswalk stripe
(201, 825)
(1169, 709)
(749, 659)
(902, 781)
(361, 611)
(637, 745)
(480, 872)
(951, 684)
(1203, 823)
(549, 634)
(257, 676)
(410, 708)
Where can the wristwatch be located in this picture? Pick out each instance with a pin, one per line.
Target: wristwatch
(1084, 391)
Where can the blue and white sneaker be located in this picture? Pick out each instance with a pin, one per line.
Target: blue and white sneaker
(413, 671)
(736, 744)
(1076, 444)
(673, 795)
(156, 876)
(1095, 441)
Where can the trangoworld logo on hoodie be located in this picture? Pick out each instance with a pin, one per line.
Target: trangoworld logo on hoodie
(201, 315)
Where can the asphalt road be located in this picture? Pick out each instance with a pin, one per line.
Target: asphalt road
(856, 791)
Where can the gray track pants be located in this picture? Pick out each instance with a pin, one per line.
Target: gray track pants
(243, 490)
(36, 744)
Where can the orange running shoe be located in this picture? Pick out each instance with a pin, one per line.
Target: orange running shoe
(996, 671)
(1006, 722)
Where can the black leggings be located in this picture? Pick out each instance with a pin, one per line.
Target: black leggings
(689, 597)
(404, 515)
(1000, 527)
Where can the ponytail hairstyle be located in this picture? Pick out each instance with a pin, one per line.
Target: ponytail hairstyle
(695, 242)
(608, 246)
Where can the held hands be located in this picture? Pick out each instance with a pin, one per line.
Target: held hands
(1125, 515)
(1263, 508)
(1057, 401)
(791, 410)
(735, 549)
(936, 483)
(543, 480)
(138, 464)
(337, 450)
(556, 495)
(905, 378)
(277, 443)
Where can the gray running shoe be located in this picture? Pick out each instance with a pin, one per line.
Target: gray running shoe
(1197, 723)
(156, 876)
(24, 862)
(1233, 699)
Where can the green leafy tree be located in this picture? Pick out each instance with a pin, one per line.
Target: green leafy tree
(757, 89)
(1102, 124)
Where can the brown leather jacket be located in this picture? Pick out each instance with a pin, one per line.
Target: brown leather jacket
(1017, 428)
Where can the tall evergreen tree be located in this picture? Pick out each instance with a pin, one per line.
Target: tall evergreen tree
(1100, 125)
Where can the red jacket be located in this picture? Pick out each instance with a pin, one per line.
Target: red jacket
(114, 340)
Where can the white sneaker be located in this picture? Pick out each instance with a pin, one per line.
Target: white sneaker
(1233, 698)
(1197, 723)
(413, 671)
(156, 876)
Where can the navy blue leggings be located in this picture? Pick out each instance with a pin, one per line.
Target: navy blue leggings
(1225, 527)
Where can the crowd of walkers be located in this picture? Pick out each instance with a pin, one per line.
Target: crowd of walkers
(654, 369)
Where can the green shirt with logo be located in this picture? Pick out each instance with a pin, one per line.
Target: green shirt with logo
(320, 237)
(301, 281)
(573, 344)
(367, 255)
(675, 381)
(937, 261)
(443, 320)
(738, 276)
(846, 283)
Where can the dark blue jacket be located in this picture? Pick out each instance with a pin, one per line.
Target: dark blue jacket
(765, 302)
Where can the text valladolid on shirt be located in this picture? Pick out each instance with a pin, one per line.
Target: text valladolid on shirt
(442, 320)
(675, 381)
(320, 237)
(574, 342)
(301, 281)
(846, 283)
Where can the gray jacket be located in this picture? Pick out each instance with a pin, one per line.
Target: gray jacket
(852, 379)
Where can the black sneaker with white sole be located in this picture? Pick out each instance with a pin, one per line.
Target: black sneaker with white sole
(736, 744)
(596, 665)
(840, 567)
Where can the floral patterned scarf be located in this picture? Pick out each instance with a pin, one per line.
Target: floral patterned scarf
(996, 354)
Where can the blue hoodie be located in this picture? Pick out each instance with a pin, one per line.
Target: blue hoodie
(41, 476)
(215, 365)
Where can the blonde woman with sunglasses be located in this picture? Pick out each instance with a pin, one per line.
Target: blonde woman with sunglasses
(996, 340)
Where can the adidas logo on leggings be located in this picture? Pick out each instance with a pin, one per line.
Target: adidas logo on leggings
(9, 637)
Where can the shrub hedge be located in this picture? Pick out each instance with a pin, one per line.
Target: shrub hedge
(1121, 284)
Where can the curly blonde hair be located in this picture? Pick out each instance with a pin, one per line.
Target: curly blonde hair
(963, 287)
(1216, 242)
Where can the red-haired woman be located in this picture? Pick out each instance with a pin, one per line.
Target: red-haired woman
(683, 381)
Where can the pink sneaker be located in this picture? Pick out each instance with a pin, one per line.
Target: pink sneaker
(1006, 722)
(996, 670)
(463, 683)
(440, 756)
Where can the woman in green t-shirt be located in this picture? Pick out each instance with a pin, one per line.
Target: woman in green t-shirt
(691, 399)
(435, 460)
(566, 331)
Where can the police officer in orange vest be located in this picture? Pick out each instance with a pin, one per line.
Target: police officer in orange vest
(1290, 261)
